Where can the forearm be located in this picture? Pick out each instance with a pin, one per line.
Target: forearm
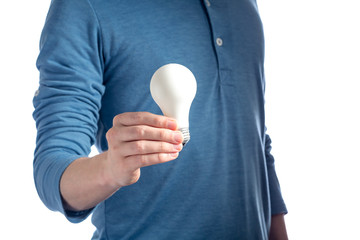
(278, 228)
(84, 183)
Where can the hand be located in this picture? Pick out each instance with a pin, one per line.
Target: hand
(139, 139)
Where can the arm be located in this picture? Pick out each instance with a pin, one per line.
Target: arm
(67, 111)
(278, 228)
(277, 203)
(278, 208)
(68, 100)
(136, 140)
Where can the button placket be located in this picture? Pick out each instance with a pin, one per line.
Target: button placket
(217, 39)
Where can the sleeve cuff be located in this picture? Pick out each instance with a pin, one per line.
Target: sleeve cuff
(47, 174)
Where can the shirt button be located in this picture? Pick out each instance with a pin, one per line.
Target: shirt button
(207, 2)
(219, 42)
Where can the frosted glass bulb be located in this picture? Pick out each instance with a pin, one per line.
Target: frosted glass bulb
(173, 88)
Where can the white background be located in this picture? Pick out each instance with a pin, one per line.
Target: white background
(313, 117)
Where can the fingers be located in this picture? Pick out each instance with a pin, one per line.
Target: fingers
(142, 139)
(142, 132)
(139, 161)
(144, 118)
(148, 147)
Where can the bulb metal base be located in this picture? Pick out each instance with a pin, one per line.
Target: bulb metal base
(186, 135)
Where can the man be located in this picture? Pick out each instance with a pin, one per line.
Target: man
(96, 60)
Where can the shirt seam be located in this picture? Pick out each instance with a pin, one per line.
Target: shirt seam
(102, 62)
(100, 36)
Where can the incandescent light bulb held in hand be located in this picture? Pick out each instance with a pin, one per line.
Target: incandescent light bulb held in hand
(173, 88)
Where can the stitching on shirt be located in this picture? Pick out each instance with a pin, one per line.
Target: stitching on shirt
(102, 75)
(101, 35)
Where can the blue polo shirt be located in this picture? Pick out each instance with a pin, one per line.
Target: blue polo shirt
(96, 61)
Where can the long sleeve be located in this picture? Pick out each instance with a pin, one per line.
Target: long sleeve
(277, 203)
(69, 96)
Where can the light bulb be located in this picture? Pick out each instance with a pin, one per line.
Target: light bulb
(173, 88)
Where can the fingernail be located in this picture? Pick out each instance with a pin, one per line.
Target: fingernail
(178, 147)
(171, 124)
(178, 137)
(174, 155)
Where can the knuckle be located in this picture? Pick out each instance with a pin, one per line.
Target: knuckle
(159, 121)
(143, 160)
(117, 119)
(137, 117)
(163, 134)
(164, 147)
(139, 132)
(139, 147)
(109, 135)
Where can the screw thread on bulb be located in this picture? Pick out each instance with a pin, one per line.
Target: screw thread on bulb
(186, 135)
